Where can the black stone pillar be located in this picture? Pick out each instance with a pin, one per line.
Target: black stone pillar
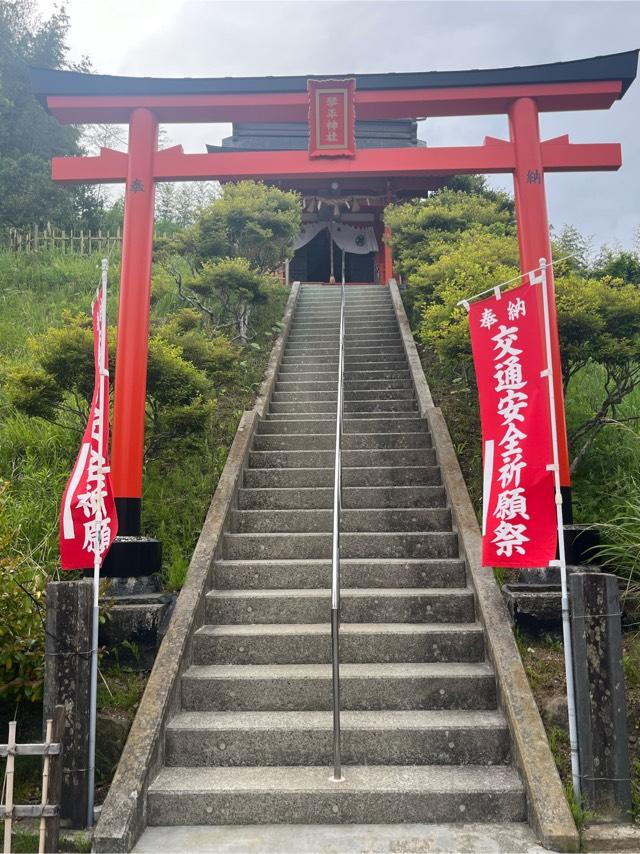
(600, 702)
(66, 683)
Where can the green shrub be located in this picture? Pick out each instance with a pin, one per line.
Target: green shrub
(22, 591)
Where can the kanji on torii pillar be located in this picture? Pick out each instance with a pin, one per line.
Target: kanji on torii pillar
(143, 103)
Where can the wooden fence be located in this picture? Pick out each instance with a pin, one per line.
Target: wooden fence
(48, 810)
(51, 239)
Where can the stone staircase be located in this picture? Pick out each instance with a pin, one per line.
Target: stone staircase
(422, 738)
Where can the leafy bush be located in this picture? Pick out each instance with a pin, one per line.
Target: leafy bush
(456, 244)
(22, 590)
(250, 220)
(58, 383)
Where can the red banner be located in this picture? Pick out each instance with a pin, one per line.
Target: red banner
(88, 520)
(519, 515)
(332, 118)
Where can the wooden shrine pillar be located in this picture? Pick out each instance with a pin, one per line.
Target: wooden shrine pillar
(133, 322)
(387, 256)
(131, 554)
(534, 244)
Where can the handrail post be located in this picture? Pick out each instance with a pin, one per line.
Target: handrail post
(335, 563)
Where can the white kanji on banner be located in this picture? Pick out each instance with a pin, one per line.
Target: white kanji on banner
(88, 519)
(518, 515)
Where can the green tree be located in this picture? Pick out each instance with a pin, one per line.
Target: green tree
(250, 220)
(57, 383)
(222, 263)
(227, 291)
(456, 244)
(618, 263)
(425, 229)
(29, 136)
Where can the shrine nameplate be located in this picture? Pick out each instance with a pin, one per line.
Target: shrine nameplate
(332, 118)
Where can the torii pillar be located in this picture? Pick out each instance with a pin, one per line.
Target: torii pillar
(135, 554)
(534, 243)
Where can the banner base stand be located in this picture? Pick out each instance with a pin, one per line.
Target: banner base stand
(132, 557)
(579, 542)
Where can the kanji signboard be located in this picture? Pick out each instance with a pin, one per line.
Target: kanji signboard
(519, 515)
(332, 118)
(88, 520)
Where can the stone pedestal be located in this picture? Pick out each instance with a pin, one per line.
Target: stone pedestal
(66, 682)
(600, 701)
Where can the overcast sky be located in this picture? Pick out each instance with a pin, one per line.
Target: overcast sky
(207, 38)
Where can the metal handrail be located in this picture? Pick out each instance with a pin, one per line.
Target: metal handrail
(335, 563)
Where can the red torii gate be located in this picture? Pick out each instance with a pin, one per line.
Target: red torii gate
(143, 103)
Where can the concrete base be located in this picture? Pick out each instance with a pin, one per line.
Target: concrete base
(611, 837)
(341, 839)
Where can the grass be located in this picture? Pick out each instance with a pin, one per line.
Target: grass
(36, 456)
(121, 689)
(35, 460)
(26, 842)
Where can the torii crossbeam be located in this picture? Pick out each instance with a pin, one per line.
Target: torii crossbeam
(143, 103)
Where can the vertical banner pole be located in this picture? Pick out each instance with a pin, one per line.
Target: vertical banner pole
(566, 626)
(103, 372)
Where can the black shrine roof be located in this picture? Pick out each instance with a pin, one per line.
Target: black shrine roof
(615, 66)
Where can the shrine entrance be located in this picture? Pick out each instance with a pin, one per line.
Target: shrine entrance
(322, 260)
(349, 146)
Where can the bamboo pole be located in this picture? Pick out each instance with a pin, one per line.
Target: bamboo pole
(11, 744)
(55, 780)
(45, 787)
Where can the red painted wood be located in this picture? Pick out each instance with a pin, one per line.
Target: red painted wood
(387, 255)
(373, 105)
(533, 237)
(173, 165)
(133, 315)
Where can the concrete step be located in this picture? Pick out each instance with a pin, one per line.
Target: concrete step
(394, 475)
(351, 350)
(350, 441)
(308, 687)
(350, 384)
(321, 520)
(394, 394)
(323, 320)
(354, 573)
(196, 739)
(373, 793)
(353, 337)
(371, 458)
(287, 546)
(360, 643)
(357, 605)
(349, 376)
(402, 391)
(353, 325)
(382, 352)
(373, 425)
(360, 418)
(313, 364)
(514, 837)
(316, 364)
(330, 383)
(350, 406)
(332, 327)
(353, 497)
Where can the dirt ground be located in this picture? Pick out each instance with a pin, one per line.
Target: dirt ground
(544, 663)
